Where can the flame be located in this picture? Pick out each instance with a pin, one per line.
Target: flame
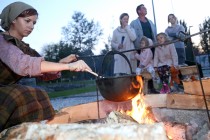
(140, 112)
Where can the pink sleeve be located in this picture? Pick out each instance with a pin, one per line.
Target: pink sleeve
(137, 56)
(17, 61)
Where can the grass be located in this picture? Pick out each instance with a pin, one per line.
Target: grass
(72, 92)
(43, 83)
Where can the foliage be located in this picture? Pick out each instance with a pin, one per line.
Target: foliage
(107, 47)
(205, 37)
(81, 36)
(188, 43)
(81, 33)
(49, 51)
(106, 50)
(55, 52)
(107, 64)
(184, 24)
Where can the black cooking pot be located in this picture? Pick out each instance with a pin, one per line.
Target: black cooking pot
(118, 88)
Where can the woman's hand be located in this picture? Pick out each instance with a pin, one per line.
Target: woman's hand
(155, 68)
(120, 46)
(68, 59)
(79, 66)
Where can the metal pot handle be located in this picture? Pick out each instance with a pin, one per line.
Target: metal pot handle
(113, 53)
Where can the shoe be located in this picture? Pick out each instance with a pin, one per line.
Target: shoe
(165, 89)
(162, 91)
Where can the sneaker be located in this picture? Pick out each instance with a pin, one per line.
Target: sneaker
(165, 89)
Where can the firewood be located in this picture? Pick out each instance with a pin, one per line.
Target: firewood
(89, 111)
(155, 100)
(117, 117)
(116, 131)
(185, 101)
(194, 86)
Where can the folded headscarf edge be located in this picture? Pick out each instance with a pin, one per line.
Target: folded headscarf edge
(11, 12)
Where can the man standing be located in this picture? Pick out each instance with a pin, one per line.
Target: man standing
(144, 27)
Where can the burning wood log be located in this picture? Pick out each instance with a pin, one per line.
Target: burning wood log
(175, 131)
(117, 117)
(89, 111)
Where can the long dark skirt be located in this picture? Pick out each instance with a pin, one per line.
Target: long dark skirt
(20, 103)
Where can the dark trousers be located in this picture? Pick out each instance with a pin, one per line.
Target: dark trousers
(150, 84)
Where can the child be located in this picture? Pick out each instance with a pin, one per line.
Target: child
(165, 58)
(145, 57)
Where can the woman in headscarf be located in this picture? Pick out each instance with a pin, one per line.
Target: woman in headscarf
(20, 103)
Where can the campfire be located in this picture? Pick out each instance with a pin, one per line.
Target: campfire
(145, 117)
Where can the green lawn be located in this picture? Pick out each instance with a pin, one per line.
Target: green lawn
(72, 91)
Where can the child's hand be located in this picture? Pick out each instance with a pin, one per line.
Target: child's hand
(155, 68)
(137, 56)
(142, 66)
(176, 67)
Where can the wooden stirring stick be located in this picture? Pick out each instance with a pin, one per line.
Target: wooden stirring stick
(91, 72)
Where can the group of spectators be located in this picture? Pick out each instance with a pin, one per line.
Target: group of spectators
(163, 59)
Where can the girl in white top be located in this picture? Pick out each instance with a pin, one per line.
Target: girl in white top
(165, 57)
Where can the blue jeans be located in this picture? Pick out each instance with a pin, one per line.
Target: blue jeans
(181, 55)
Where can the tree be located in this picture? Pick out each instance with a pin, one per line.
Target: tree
(55, 52)
(80, 37)
(184, 24)
(107, 49)
(188, 43)
(205, 37)
(81, 33)
(50, 52)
